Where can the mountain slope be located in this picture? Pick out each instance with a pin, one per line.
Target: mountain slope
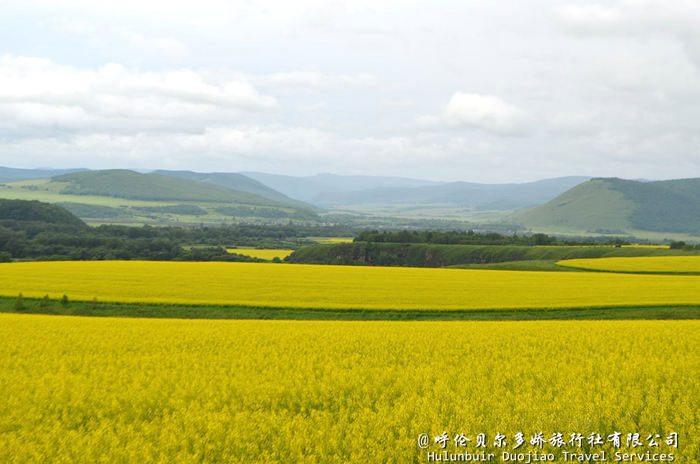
(238, 182)
(616, 205)
(122, 183)
(127, 197)
(311, 188)
(22, 211)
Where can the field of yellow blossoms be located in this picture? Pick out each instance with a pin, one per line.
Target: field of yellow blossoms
(671, 264)
(104, 390)
(319, 286)
(261, 253)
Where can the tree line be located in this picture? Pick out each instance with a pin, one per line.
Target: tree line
(32, 240)
(471, 237)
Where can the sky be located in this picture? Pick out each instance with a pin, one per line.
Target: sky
(480, 91)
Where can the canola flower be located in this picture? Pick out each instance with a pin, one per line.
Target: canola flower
(261, 253)
(324, 286)
(103, 390)
(334, 239)
(679, 264)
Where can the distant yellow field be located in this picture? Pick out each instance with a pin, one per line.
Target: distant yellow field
(318, 286)
(332, 239)
(102, 390)
(262, 254)
(638, 264)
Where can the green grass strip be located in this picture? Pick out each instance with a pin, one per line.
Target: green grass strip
(151, 310)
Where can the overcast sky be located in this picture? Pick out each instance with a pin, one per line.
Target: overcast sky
(485, 91)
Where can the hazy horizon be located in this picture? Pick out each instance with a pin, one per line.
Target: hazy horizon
(436, 180)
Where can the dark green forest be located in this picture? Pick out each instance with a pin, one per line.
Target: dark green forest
(471, 237)
(31, 230)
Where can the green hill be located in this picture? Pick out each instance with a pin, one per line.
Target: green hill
(122, 183)
(128, 197)
(21, 211)
(237, 182)
(616, 206)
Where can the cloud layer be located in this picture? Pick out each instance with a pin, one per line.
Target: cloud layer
(37, 94)
(456, 90)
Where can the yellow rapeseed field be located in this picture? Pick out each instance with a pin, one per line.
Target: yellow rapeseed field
(316, 286)
(638, 264)
(102, 390)
(335, 240)
(261, 253)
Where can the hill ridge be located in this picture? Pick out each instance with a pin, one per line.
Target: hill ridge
(615, 205)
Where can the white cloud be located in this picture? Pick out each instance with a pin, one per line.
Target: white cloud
(241, 147)
(486, 112)
(36, 92)
(314, 80)
(679, 19)
(153, 46)
(584, 15)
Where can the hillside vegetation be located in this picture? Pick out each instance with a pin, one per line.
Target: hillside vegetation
(238, 182)
(30, 230)
(128, 197)
(617, 206)
(19, 211)
(432, 255)
(133, 185)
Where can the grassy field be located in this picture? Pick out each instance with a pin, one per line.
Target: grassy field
(341, 287)
(185, 311)
(650, 264)
(104, 390)
(528, 265)
(261, 253)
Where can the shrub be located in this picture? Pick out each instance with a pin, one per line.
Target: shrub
(19, 303)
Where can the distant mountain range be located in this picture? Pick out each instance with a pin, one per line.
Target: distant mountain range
(461, 194)
(14, 175)
(314, 189)
(612, 205)
(567, 204)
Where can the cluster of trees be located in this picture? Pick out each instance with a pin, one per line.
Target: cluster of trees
(37, 231)
(471, 237)
(56, 245)
(42, 242)
(680, 245)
